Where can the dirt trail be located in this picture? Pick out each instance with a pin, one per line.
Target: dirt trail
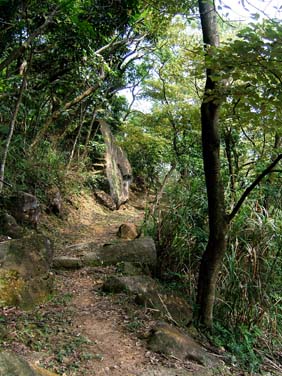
(100, 319)
(109, 324)
(82, 331)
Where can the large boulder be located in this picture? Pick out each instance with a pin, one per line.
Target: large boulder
(118, 168)
(25, 278)
(13, 365)
(168, 340)
(141, 251)
(9, 226)
(25, 208)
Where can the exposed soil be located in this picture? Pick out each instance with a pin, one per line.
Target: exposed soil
(83, 331)
(102, 320)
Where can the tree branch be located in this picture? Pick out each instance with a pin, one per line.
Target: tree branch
(251, 187)
(11, 131)
(57, 113)
(20, 50)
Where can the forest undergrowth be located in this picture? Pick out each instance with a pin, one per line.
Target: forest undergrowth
(248, 313)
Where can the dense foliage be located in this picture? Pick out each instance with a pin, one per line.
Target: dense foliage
(248, 305)
(62, 64)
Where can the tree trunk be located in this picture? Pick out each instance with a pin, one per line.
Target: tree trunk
(11, 132)
(160, 193)
(218, 220)
(81, 121)
(18, 51)
(89, 132)
(56, 114)
(270, 201)
(228, 150)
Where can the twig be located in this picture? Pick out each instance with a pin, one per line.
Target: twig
(167, 311)
(251, 187)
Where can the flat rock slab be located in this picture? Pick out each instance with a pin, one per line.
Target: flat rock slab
(67, 262)
(141, 251)
(168, 340)
(13, 365)
(82, 247)
(138, 284)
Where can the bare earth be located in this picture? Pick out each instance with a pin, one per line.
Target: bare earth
(81, 331)
(89, 333)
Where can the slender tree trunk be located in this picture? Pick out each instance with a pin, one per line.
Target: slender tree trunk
(228, 150)
(160, 193)
(269, 200)
(17, 52)
(218, 222)
(56, 114)
(218, 218)
(81, 120)
(11, 132)
(85, 151)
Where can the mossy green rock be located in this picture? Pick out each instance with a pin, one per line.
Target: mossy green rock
(25, 278)
(13, 365)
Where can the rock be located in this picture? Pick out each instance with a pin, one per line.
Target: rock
(141, 251)
(127, 231)
(25, 208)
(13, 365)
(129, 268)
(167, 306)
(169, 340)
(55, 201)
(83, 247)
(25, 278)
(118, 168)
(67, 262)
(139, 284)
(10, 227)
(105, 199)
(148, 292)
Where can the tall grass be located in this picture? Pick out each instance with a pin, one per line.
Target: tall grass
(248, 309)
